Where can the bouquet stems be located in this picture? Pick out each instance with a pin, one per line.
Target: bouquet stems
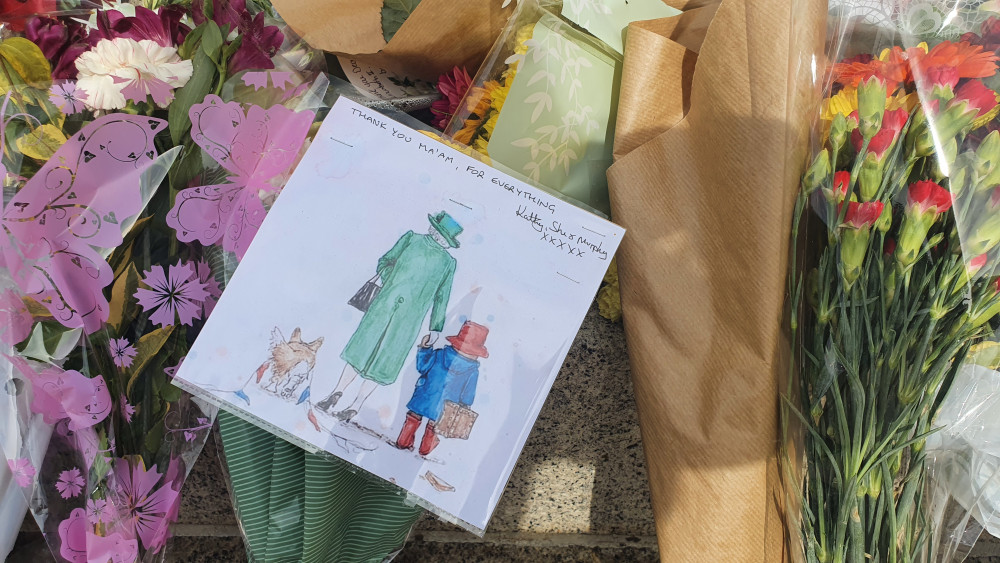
(892, 282)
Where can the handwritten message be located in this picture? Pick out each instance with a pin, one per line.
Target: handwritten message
(380, 83)
(536, 210)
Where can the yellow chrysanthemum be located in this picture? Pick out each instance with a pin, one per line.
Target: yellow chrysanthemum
(609, 301)
(500, 96)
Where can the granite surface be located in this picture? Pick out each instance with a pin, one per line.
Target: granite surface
(578, 493)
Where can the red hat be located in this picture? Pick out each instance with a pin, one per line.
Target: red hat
(470, 340)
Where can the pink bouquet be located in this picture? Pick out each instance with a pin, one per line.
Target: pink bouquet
(141, 149)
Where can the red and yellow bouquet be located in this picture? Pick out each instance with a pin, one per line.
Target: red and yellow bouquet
(894, 279)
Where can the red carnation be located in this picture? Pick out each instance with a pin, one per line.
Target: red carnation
(890, 246)
(892, 123)
(862, 215)
(841, 185)
(941, 76)
(928, 196)
(977, 264)
(977, 95)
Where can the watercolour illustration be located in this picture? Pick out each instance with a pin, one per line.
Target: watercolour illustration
(448, 378)
(290, 363)
(417, 275)
(418, 324)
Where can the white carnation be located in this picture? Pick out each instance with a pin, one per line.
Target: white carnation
(127, 60)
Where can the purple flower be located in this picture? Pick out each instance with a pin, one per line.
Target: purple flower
(127, 409)
(61, 41)
(66, 97)
(22, 470)
(98, 510)
(204, 272)
(260, 43)
(224, 12)
(122, 352)
(163, 26)
(70, 483)
(176, 292)
(144, 501)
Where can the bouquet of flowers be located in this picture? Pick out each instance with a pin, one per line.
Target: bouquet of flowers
(141, 148)
(894, 281)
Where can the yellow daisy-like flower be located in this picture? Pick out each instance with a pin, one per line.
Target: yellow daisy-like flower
(500, 95)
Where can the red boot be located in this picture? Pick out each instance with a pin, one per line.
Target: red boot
(430, 439)
(408, 433)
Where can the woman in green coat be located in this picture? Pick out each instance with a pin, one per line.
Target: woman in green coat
(416, 275)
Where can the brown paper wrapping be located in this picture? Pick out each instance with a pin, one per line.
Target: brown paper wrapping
(438, 36)
(710, 140)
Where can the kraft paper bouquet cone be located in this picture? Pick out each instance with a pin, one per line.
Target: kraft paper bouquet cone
(710, 140)
(436, 37)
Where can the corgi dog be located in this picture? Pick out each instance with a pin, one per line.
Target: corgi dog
(285, 357)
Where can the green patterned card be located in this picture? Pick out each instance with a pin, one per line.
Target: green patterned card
(556, 126)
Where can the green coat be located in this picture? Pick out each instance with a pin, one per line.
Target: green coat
(416, 277)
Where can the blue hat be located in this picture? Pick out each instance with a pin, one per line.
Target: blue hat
(447, 226)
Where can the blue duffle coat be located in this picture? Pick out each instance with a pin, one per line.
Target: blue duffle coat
(444, 376)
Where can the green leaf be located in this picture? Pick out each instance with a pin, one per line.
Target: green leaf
(154, 438)
(50, 342)
(188, 166)
(170, 393)
(145, 350)
(394, 14)
(191, 42)
(199, 86)
(25, 59)
(41, 143)
(231, 49)
(123, 305)
(212, 40)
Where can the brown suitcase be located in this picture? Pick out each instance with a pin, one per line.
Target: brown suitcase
(456, 421)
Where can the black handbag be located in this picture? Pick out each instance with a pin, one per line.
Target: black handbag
(362, 300)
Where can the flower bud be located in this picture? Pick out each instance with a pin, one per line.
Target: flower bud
(870, 177)
(884, 222)
(988, 154)
(871, 105)
(946, 157)
(912, 235)
(985, 236)
(838, 131)
(818, 172)
(959, 180)
(853, 248)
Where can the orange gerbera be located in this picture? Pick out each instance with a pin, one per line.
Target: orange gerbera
(971, 61)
